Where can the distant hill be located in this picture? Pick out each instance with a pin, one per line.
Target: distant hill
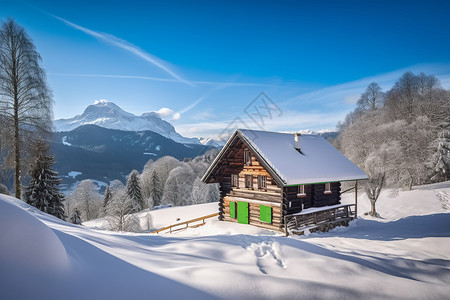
(102, 154)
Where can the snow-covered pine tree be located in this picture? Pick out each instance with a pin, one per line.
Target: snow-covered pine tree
(75, 218)
(155, 189)
(57, 206)
(134, 191)
(3, 189)
(440, 160)
(107, 196)
(43, 192)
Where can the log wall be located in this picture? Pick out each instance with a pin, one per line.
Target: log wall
(271, 195)
(254, 218)
(315, 197)
(284, 201)
(323, 199)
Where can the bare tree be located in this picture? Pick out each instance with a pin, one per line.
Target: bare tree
(373, 190)
(25, 99)
(178, 187)
(372, 98)
(119, 213)
(86, 199)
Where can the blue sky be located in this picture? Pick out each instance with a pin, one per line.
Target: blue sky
(205, 61)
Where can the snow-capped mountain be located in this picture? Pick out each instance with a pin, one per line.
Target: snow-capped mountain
(212, 142)
(326, 133)
(109, 115)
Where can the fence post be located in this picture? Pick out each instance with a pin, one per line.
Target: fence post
(356, 199)
(285, 226)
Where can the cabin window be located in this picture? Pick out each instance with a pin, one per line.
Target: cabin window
(262, 182)
(301, 190)
(234, 180)
(265, 213)
(233, 210)
(327, 187)
(249, 181)
(247, 157)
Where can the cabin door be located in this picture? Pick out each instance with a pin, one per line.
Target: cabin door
(242, 212)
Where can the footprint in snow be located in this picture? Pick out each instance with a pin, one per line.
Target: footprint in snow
(267, 253)
(445, 199)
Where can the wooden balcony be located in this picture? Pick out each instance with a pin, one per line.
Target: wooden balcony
(319, 218)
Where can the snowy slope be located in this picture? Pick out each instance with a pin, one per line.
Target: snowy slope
(403, 256)
(109, 115)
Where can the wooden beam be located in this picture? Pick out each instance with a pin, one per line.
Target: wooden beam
(348, 190)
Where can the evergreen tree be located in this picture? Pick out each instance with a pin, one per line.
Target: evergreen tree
(43, 192)
(134, 191)
(155, 189)
(440, 160)
(107, 196)
(3, 189)
(75, 219)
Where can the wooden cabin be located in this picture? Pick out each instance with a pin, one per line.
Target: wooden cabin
(273, 180)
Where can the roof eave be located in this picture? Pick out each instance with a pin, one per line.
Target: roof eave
(205, 176)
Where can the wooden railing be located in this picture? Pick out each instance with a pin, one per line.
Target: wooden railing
(321, 218)
(186, 223)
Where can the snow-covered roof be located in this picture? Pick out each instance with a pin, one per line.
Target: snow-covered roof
(319, 161)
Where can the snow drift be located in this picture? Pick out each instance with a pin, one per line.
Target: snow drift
(403, 256)
(26, 242)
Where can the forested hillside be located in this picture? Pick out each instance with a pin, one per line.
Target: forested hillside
(402, 133)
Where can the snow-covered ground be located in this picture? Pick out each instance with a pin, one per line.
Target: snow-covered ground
(405, 255)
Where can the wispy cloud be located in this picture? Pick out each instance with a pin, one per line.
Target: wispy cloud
(196, 82)
(348, 93)
(208, 93)
(192, 105)
(291, 121)
(125, 45)
(319, 109)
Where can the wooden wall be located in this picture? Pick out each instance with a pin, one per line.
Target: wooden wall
(315, 197)
(276, 197)
(233, 163)
(290, 195)
(323, 199)
(254, 218)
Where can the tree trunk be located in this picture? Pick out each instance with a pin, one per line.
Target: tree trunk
(410, 184)
(373, 212)
(17, 184)
(16, 159)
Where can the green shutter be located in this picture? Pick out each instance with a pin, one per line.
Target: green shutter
(242, 214)
(265, 213)
(233, 210)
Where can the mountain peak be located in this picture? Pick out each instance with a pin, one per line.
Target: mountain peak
(108, 115)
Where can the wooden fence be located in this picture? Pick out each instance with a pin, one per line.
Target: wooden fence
(173, 228)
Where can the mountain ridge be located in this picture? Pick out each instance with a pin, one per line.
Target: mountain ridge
(103, 155)
(109, 115)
